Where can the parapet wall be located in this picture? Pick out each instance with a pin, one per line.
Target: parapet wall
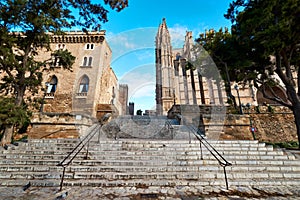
(270, 123)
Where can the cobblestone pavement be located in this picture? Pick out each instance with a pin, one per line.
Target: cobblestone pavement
(150, 193)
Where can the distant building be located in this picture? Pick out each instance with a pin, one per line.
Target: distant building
(150, 112)
(131, 108)
(123, 99)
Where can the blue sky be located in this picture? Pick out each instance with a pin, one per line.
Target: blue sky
(131, 35)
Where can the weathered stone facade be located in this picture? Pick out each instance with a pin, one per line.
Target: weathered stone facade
(175, 84)
(89, 84)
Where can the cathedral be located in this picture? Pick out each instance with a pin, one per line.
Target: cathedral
(178, 83)
(175, 83)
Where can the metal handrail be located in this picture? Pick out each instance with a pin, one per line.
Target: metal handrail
(77, 149)
(59, 130)
(222, 161)
(169, 127)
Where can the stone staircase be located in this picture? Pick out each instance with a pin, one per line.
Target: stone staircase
(143, 163)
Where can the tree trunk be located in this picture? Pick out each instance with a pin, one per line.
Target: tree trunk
(201, 87)
(185, 81)
(228, 88)
(7, 135)
(9, 129)
(220, 92)
(20, 95)
(193, 86)
(296, 112)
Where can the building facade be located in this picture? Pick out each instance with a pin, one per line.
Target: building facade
(175, 82)
(179, 81)
(91, 87)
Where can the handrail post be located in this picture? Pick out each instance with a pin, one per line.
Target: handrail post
(99, 135)
(201, 151)
(87, 150)
(225, 177)
(62, 178)
(79, 147)
(213, 152)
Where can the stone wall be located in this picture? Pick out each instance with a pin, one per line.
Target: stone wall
(61, 103)
(272, 124)
(58, 125)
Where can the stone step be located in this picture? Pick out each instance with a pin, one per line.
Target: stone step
(172, 183)
(208, 167)
(120, 155)
(149, 154)
(36, 183)
(242, 165)
(177, 175)
(144, 147)
(124, 143)
(142, 141)
(150, 183)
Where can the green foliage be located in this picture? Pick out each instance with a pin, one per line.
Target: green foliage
(139, 112)
(264, 29)
(10, 114)
(257, 109)
(270, 109)
(287, 145)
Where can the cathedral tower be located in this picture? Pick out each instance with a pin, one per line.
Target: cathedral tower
(164, 70)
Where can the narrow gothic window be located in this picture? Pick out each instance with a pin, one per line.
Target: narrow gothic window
(60, 46)
(90, 61)
(55, 61)
(85, 61)
(89, 46)
(84, 85)
(51, 86)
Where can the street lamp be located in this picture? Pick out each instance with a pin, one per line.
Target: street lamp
(236, 87)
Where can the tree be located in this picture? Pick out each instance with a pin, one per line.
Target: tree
(10, 115)
(270, 28)
(25, 27)
(222, 47)
(220, 51)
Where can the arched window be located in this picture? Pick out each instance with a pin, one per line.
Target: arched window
(84, 86)
(85, 61)
(51, 86)
(90, 61)
(89, 46)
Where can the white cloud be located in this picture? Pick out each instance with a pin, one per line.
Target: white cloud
(139, 84)
(177, 33)
(132, 40)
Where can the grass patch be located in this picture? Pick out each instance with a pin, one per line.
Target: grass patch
(287, 145)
